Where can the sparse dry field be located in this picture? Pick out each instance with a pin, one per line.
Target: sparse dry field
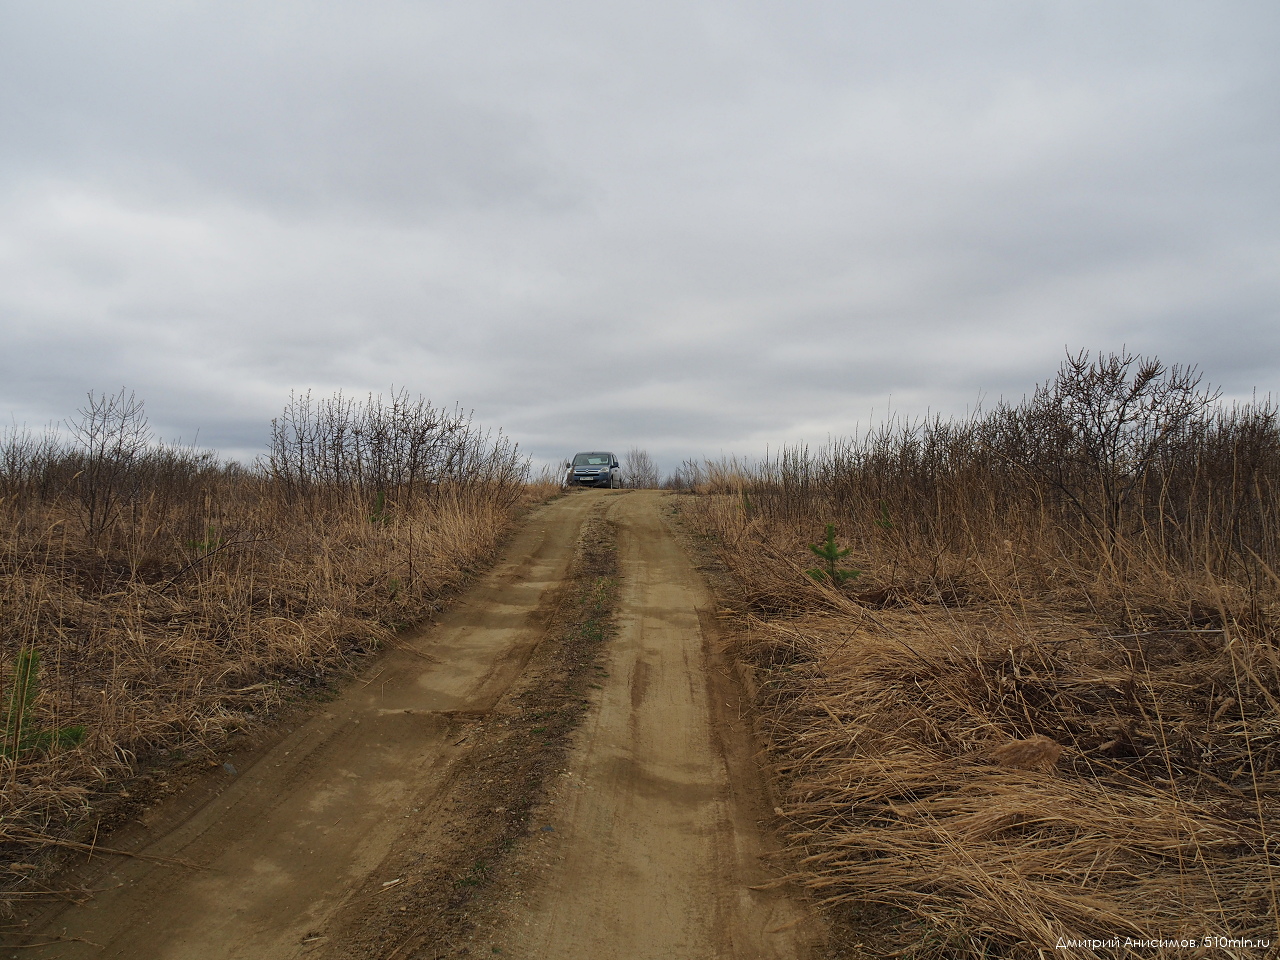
(1048, 707)
(172, 601)
(1028, 694)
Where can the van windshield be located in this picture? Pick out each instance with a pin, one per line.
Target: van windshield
(592, 460)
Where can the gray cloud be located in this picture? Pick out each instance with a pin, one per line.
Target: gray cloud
(737, 224)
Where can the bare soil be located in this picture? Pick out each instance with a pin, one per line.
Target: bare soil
(560, 767)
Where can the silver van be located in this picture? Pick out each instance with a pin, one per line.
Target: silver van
(595, 469)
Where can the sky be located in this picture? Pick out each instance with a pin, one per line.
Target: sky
(699, 228)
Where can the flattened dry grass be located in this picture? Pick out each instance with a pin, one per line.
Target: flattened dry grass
(1129, 810)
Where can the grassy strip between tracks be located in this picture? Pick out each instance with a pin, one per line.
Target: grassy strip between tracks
(461, 858)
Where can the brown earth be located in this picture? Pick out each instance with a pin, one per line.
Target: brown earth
(560, 767)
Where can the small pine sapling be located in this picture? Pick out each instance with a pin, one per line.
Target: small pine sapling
(20, 735)
(211, 543)
(883, 522)
(831, 554)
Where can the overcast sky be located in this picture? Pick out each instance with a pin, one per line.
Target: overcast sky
(695, 227)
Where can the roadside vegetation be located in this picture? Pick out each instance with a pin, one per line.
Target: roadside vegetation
(154, 600)
(1038, 699)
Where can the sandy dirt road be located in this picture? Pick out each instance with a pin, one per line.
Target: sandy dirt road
(657, 841)
(654, 838)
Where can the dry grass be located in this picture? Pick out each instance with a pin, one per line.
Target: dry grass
(1017, 726)
(207, 597)
(995, 774)
(1008, 783)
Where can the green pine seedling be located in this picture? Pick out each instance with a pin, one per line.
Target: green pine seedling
(210, 544)
(380, 514)
(884, 523)
(831, 553)
(20, 736)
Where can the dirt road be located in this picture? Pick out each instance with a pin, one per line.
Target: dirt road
(649, 843)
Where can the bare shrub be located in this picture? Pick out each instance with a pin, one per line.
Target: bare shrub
(27, 462)
(400, 447)
(639, 470)
(112, 434)
(1101, 427)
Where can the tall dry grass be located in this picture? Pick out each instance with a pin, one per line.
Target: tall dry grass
(1049, 705)
(173, 599)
